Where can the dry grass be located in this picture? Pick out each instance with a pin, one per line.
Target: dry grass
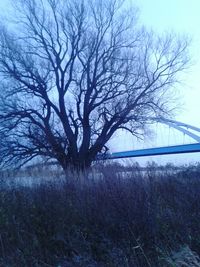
(114, 219)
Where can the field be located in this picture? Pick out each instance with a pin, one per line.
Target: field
(110, 216)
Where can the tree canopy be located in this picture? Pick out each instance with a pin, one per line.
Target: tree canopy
(74, 72)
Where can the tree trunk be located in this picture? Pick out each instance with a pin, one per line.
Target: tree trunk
(75, 164)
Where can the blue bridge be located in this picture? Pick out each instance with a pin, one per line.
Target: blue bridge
(186, 129)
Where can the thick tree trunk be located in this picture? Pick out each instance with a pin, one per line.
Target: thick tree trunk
(82, 163)
(75, 164)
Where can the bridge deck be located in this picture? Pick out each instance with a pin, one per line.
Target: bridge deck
(178, 149)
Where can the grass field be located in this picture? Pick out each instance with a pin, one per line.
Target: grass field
(110, 216)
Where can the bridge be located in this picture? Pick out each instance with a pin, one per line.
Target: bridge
(186, 129)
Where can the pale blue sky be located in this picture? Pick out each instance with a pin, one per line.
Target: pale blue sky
(182, 17)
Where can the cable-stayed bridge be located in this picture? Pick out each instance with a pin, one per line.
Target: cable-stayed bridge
(186, 129)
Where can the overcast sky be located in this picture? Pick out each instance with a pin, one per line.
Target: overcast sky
(182, 17)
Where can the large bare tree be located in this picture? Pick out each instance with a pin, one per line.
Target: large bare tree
(74, 72)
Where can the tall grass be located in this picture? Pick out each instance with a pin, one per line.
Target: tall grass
(105, 217)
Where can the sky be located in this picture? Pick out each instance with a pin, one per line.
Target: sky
(181, 17)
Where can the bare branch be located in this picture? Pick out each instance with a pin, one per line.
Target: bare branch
(74, 72)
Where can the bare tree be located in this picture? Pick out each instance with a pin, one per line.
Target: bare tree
(74, 72)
